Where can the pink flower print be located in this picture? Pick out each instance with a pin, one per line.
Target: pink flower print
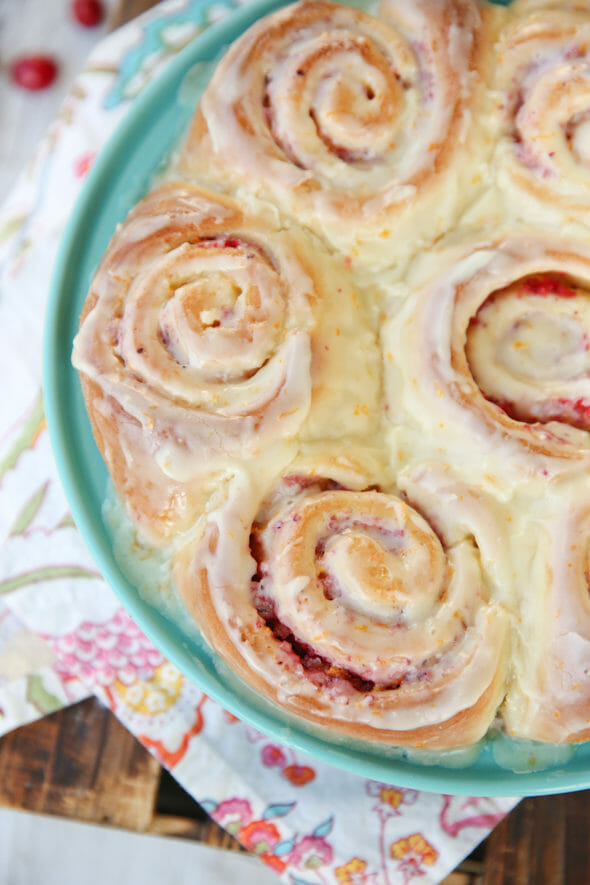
(413, 853)
(102, 654)
(390, 799)
(310, 853)
(260, 836)
(83, 163)
(272, 755)
(354, 872)
(233, 814)
(459, 812)
(299, 775)
(107, 641)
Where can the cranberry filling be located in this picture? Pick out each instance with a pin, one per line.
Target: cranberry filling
(548, 284)
(314, 664)
(575, 412)
(224, 243)
(329, 585)
(304, 481)
(347, 155)
(541, 284)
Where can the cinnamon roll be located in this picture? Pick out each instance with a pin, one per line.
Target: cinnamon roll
(197, 344)
(355, 610)
(348, 122)
(549, 695)
(358, 427)
(496, 358)
(542, 81)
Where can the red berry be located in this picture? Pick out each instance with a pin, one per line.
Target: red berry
(88, 12)
(34, 72)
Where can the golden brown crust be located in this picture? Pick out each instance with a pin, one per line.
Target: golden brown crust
(541, 80)
(320, 613)
(250, 358)
(440, 386)
(408, 81)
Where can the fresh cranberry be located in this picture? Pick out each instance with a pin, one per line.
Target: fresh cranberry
(549, 284)
(88, 13)
(34, 72)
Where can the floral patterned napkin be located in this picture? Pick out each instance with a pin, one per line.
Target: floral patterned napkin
(63, 634)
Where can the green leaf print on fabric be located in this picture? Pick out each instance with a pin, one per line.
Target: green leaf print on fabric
(50, 573)
(29, 511)
(40, 698)
(11, 226)
(31, 427)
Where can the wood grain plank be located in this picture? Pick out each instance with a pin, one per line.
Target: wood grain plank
(458, 878)
(201, 830)
(80, 763)
(509, 846)
(123, 11)
(177, 813)
(469, 871)
(531, 844)
(577, 849)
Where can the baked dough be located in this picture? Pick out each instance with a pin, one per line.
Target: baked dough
(209, 334)
(338, 367)
(346, 607)
(351, 123)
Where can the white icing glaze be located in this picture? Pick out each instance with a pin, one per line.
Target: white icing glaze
(360, 580)
(434, 386)
(541, 81)
(530, 351)
(208, 343)
(550, 695)
(298, 351)
(347, 121)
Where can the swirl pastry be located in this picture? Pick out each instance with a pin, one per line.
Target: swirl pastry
(197, 344)
(338, 366)
(497, 357)
(347, 607)
(347, 121)
(549, 698)
(542, 79)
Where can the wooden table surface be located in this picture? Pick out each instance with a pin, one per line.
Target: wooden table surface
(81, 763)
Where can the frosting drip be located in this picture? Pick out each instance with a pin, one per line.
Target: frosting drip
(347, 387)
(528, 348)
(196, 306)
(542, 79)
(345, 120)
(349, 605)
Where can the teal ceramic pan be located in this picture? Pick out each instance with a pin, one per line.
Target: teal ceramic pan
(121, 175)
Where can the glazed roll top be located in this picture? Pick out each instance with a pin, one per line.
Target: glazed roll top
(338, 366)
(497, 343)
(348, 608)
(198, 344)
(549, 698)
(345, 120)
(542, 79)
(527, 347)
